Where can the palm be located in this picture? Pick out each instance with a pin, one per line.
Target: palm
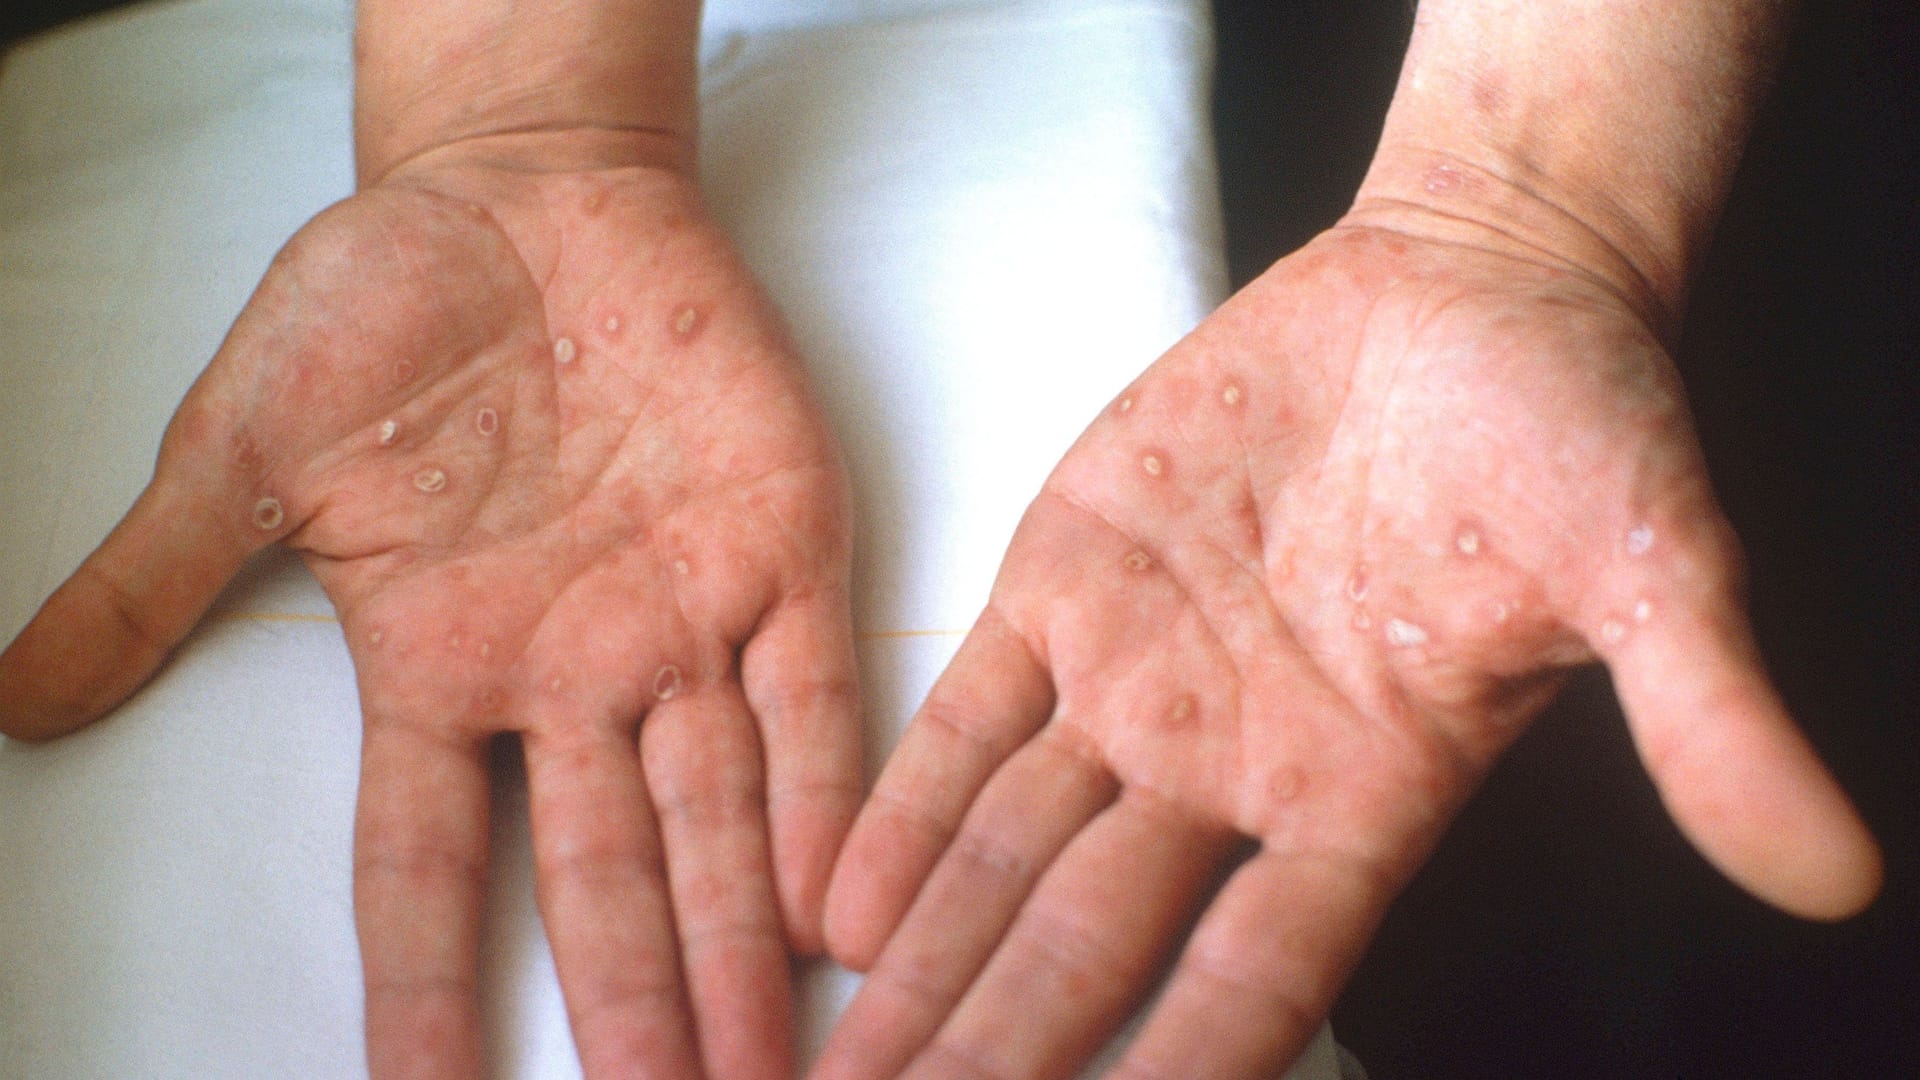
(546, 448)
(1344, 578)
(1299, 584)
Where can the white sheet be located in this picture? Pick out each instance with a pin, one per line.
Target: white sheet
(981, 217)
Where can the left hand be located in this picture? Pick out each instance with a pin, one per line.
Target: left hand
(1300, 584)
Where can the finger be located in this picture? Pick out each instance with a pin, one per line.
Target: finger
(1045, 794)
(420, 851)
(1084, 950)
(104, 632)
(600, 877)
(800, 679)
(702, 759)
(1261, 970)
(990, 700)
(1732, 769)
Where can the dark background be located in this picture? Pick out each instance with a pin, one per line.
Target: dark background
(1564, 930)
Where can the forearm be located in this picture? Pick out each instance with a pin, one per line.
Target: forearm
(1598, 132)
(598, 81)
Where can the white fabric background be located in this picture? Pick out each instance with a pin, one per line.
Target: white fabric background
(982, 218)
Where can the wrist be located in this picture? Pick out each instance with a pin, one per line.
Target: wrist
(545, 150)
(1478, 199)
(539, 85)
(1597, 135)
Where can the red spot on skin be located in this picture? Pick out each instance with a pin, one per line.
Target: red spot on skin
(1077, 984)
(1287, 783)
(595, 202)
(1489, 92)
(197, 427)
(246, 453)
(1248, 514)
(404, 371)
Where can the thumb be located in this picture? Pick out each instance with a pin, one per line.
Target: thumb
(104, 633)
(1737, 776)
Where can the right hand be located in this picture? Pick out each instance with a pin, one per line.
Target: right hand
(1299, 587)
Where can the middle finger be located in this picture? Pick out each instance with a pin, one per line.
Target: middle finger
(602, 886)
(704, 767)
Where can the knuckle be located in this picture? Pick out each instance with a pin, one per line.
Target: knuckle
(705, 934)
(724, 799)
(600, 868)
(979, 855)
(958, 721)
(1230, 975)
(1067, 944)
(416, 866)
(913, 816)
(953, 1060)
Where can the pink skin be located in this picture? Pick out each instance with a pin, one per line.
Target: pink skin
(636, 560)
(1300, 585)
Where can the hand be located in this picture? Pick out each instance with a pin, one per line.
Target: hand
(1299, 585)
(547, 448)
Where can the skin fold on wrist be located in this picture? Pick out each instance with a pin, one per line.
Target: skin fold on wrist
(574, 150)
(1598, 135)
(545, 84)
(1441, 196)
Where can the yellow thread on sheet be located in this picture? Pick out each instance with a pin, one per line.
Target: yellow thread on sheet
(298, 617)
